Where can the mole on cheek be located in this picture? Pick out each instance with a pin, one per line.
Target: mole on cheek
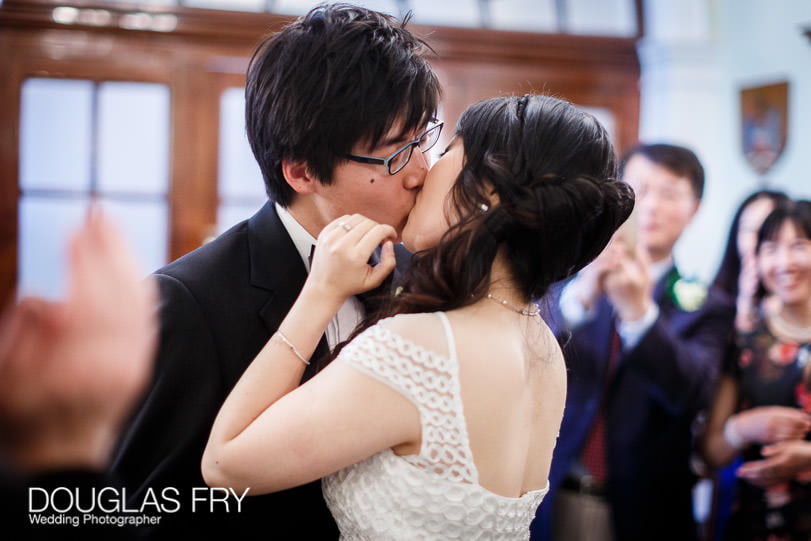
(371, 180)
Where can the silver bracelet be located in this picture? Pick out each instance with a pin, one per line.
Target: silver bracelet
(292, 347)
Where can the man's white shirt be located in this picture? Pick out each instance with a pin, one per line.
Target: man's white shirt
(351, 312)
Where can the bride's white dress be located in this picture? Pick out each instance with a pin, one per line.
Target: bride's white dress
(436, 493)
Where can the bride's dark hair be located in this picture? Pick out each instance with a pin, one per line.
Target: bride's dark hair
(552, 169)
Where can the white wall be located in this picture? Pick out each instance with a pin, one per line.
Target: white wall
(696, 57)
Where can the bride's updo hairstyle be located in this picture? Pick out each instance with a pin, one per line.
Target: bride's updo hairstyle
(555, 203)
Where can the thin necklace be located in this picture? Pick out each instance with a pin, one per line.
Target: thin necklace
(506, 304)
(801, 334)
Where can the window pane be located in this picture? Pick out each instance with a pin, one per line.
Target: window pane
(229, 215)
(300, 7)
(55, 134)
(235, 5)
(45, 225)
(239, 175)
(601, 17)
(145, 226)
(144, 3)
(524, 15)
(459, 13)
(133, 150)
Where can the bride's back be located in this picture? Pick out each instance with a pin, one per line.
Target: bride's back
(512, 383)
(526, 196)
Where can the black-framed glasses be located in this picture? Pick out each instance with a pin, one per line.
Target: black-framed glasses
(395, 163)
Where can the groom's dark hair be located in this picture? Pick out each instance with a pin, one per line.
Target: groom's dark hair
(338, 76)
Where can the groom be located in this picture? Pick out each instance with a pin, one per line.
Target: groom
(335, 105)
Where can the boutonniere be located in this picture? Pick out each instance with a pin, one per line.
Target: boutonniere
(688, 294)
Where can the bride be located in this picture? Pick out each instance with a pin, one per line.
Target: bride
(439, 418)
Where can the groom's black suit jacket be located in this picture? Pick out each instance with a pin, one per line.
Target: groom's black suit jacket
(219, 305)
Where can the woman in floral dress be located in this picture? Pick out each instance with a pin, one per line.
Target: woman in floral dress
(762, 409)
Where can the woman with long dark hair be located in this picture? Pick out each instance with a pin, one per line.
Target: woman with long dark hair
(440, 416)
(762, 408)
(737, 274)
(737, 278)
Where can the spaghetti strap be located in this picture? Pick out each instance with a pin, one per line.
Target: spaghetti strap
(448, 336)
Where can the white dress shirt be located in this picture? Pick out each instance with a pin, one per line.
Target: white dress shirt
(351, 312)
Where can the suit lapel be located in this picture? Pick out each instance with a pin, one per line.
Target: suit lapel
(598, 345)
(276, 268)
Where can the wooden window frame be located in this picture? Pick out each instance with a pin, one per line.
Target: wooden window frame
(208, 51)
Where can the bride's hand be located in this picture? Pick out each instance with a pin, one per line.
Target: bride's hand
(340, 266)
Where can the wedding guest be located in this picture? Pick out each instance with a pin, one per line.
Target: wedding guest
(438, 422)
(340, 108)
(737, 277)
(762, 407)
(644, 349)
(737, 274)
(70, 372)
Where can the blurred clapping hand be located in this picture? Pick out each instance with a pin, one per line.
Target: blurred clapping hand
(70, 371)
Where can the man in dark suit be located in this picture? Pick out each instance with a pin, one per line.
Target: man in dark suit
(335, 105)
(644, 349)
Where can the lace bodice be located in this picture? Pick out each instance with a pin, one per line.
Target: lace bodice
(434, 494)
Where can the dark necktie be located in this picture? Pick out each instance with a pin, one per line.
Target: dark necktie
(593, 455)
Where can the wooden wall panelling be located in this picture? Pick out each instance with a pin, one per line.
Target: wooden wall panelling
(194, 89)
(208, 51)
(193, 196)
(9, 163)
(464, 84)
(602, 72)
(197, 90)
